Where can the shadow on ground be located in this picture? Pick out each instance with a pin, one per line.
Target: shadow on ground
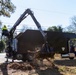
(38, 69)
(65, 62)
(29, 67)
(4, 69)
(49, 71)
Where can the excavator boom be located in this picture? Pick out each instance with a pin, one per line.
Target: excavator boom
(22, 17)
(45, 47)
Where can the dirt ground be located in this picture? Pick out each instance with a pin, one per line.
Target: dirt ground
(57, 66)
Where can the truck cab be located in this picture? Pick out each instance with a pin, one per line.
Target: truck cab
(72, 48)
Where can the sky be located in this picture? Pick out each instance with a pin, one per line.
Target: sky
(47, 12)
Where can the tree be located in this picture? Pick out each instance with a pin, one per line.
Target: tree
(55, 28)
(6, 8)
(0, 24)
(72, 27)
(2, 46)
(24, 27)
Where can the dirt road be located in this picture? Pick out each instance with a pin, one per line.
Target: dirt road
(60, 67)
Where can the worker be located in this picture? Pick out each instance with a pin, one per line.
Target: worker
(5, 31)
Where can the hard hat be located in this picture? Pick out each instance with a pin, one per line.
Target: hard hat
(4, 25)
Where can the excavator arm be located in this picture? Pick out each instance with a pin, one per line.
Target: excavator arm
(22, 17)
(45, 47)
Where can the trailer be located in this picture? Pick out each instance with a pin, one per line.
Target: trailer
(60, 42)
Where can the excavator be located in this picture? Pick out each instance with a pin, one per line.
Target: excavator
(11, 37)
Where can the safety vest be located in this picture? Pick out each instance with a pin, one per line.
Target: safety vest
(4, 28)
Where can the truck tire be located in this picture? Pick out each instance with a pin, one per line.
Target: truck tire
(30, 58)
(71, 58)
(19, 56)
(27, 57)
(24, 60)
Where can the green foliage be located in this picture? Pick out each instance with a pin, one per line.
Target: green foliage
(2, 45)
(0, 24)
(55, 28)
(72, 27)
(6, 8)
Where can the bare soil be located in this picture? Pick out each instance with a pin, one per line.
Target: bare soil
(57, 66)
